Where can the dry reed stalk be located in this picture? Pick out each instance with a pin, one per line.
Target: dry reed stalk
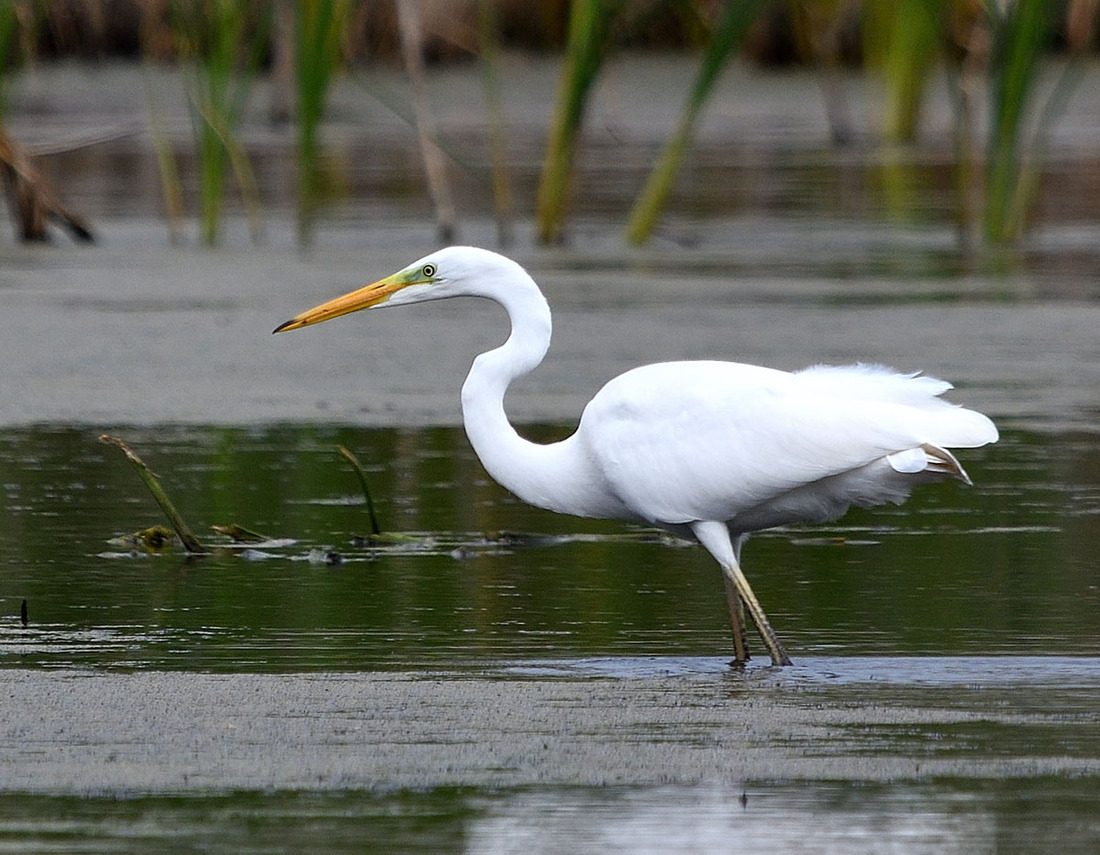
(412, 40)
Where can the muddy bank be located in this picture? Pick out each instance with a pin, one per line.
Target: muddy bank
(128, 334)
(623, 722)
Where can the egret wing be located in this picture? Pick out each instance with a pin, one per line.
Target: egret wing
(678, 442)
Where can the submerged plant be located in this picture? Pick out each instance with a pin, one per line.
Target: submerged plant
(375, 529)
(376, 536)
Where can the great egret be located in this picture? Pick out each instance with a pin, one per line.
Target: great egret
(710, 450)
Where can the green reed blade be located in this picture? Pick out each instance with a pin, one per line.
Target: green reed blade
(221, 43)
(319, 26)
(587, 47)
(1020, 32)
(9, 26)
(728, 35)
(488, 34)
(913, 31)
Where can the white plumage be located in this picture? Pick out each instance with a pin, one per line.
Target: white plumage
(712, 450)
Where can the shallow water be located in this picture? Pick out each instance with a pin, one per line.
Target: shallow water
(1004, 568)
(943, 698)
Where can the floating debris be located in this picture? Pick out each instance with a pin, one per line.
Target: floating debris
(386, 538)
(325, 556)
(523, 539)
(240, 534)
(255, 555)
(156, 538)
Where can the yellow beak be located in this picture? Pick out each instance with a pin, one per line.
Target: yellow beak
(364, 298)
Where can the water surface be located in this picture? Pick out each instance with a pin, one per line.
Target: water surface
(946, 817)
(1004, 568)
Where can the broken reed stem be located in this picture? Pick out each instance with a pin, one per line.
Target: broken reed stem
(34, 201)
(358, 467)
(190, 542)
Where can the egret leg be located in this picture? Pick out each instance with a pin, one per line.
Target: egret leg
(737, 622)
(733, 573)
(715, 536)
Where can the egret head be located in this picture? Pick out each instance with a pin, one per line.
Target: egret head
(450, 272)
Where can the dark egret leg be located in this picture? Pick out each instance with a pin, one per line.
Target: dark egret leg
(737, 621)
(715, 537)
(767, 634)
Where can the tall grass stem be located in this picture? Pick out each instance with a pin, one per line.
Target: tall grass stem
(221, 43)
(586, 48)
(319, 26)
(730, 31)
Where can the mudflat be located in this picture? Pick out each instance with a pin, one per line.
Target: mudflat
(621, 722)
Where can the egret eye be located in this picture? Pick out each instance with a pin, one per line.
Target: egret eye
(428, 271)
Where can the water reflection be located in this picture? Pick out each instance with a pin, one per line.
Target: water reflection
(1005, 568)
(906, 818)
(726, 819)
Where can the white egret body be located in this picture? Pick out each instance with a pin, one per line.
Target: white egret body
(710, 450)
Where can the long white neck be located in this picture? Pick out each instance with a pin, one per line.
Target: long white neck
(548, 476)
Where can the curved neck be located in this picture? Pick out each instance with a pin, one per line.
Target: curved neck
(540, 475)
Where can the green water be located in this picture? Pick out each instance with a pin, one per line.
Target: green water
(1006, 567)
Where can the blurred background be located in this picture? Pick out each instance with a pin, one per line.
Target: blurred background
(780, 182)
(632, 120)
